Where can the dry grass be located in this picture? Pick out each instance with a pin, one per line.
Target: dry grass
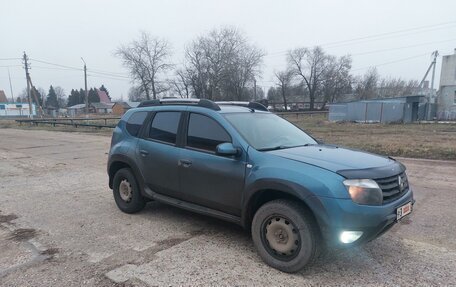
(431, 141)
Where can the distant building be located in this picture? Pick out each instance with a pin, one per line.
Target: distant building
(401, 109)
(16, 109)
(94, 108)
(120, 108)
(446, 99)
(102, 108)
(78, 109)
(3, 98)
(104, 98)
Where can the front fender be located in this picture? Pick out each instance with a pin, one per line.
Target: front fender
(289, 188)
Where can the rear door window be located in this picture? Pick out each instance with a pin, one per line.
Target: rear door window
(135, 123)
(205, 133)
(164, 127)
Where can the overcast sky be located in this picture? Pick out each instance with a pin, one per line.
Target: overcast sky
(62, 32)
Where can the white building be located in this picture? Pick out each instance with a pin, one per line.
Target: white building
(446, 100)
(16, 109)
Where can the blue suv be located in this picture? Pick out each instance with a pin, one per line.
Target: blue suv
(238, 162)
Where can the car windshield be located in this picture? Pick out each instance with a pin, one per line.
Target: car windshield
(265, 131)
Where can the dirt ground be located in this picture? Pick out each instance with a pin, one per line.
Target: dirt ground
(59, 226)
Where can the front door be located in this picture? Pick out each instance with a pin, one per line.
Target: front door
(206, 178)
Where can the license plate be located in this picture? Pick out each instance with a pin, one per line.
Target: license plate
(403, 210)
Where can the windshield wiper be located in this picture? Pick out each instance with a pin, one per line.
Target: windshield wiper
(281, 147)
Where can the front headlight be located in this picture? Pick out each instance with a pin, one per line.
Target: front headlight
(364, 191)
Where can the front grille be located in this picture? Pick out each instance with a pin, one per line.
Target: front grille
(391, 188)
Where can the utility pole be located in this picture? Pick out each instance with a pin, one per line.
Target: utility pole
(11, 86)
(85, 84)
(26, 67)
(435, 54)
(254, 89)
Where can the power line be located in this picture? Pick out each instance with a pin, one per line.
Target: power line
(403, 47)
(107, 77)
(108, 74)
(93, 71)
(9, 59)
(401, 32)
(391, 62)
(52, 68)
(381, 35)
(58, 65)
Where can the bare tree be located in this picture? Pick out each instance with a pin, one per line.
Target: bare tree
(284, 79)
(136, 94)
(61, 97)
(221, 64)
(311, 65)
(337, 79)
(181, 84)
(396, 87)
(366, 86)
(147, 58)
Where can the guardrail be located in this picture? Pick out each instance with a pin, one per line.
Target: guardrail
(301, 113)
(75, 122)
(84, 122)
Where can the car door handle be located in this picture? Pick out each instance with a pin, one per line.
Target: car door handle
(185, 162)
(143, 152)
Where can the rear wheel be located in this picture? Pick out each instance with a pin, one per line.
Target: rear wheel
(285, 235)
(126, 192)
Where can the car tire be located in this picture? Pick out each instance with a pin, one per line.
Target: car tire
(293, 241)
(126, 192)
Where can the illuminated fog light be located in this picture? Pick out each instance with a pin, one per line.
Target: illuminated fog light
(350, 236)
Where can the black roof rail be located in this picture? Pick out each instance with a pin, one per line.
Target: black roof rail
(205, 103)
(179, 101)
(251, 105)
(149, 103)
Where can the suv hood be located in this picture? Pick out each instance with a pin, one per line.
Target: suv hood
(334, 158)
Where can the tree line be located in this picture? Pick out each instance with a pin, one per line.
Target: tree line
(57, 98)
(224, 65)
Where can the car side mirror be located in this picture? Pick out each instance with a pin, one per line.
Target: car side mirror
(227, 149)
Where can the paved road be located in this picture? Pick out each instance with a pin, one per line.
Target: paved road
(59, 226)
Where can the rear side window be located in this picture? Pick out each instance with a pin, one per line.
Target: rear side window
(205, 133)
(164, 126)
(135, 123)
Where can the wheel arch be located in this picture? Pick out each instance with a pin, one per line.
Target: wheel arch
(267, 190)
(117, 162)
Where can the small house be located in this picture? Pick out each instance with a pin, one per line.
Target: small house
(119, 108)
(102, 108)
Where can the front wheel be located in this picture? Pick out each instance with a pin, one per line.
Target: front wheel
(285, 235)
(126, 192)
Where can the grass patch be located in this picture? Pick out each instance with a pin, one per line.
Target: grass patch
(431, 141)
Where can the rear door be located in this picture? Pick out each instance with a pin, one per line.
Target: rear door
(206, 178)
(158, 153)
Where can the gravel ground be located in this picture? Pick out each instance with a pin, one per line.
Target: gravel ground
(59, 226)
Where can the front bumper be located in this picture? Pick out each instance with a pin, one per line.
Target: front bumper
(345, 215)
